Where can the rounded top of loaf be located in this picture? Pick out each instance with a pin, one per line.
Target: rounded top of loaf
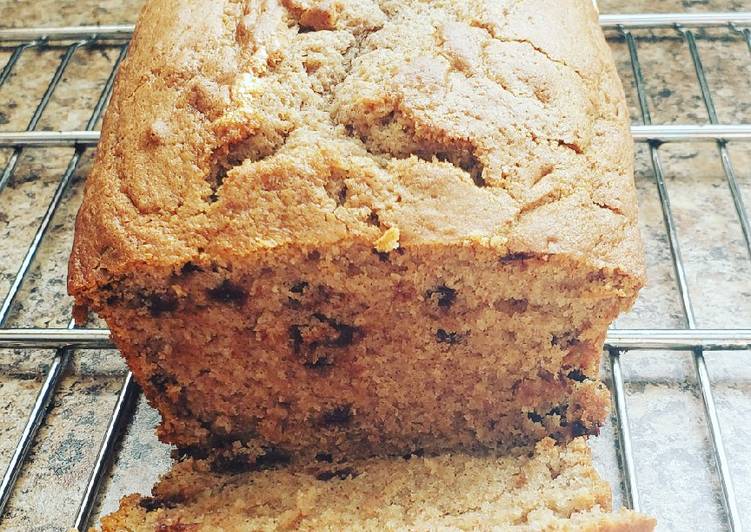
(240, 127)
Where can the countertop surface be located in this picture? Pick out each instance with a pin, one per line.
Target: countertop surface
(676, 476)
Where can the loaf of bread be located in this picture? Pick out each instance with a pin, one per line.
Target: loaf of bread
(552, 488)
(354, 227)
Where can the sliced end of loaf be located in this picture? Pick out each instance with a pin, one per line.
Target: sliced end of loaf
(552, 487)
(352, 352)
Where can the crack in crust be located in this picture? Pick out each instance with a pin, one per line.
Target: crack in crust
(299, 122)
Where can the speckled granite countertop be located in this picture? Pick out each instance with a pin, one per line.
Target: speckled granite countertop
(675, 471)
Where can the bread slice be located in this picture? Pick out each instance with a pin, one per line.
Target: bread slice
(361, 227)
(550, 488)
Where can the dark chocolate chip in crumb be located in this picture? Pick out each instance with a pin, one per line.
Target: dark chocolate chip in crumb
(189, 268)
(340, 415)
(512, 257)
(577, 375)
(299, 287)
(342, 195)
(442, 295)
(190, 451)
(272, 456)
(444, 337)
(324, 457)
(151, 504)
(159, 303)
(345, 338)
(345, 333)
(534, 417)
(234, 464)
(320, 363)
(341, 474)
(373, 219)
(315, 340)
(383, 257)
(295, 335)
(160, 381)
(228, 292)
(416, 452)
(578, 429)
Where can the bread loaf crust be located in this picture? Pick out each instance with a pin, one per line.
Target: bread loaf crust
(534, 94)
(303, 211)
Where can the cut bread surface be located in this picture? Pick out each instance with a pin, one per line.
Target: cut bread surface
(550, 488)
(326, 354)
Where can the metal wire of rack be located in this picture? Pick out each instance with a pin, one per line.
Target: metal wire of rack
(619, 341)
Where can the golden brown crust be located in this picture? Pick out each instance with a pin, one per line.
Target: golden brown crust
(501, 87)
(301, 211)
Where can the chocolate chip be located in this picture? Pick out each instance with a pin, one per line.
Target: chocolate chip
(535, 417)
(416, 452)
(159, 303)
(189, 268)
(320, 363)
(442, 295)
(160, 381)
(182, 405)
(151, 504)
(299, 287)
(383, 257)
(190, 451)
(512, 257)
(373, 219)
(232, 464)
(295, 334)
(341, 415)
(578, 429)
(577, 375)
(272, 457)
(313, 341)
(444, 337)
(342, 195)
(341, 474)
(228, 292)
(346, 333)
(345, 338)
(324, 457)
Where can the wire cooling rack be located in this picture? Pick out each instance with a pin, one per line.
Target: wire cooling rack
(71, 40)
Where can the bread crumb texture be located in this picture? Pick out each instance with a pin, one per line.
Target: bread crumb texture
(363, 226)
(551, 488)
